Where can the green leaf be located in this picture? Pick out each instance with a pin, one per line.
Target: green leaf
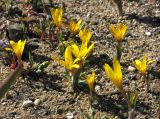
(30, 59)
(133, 99)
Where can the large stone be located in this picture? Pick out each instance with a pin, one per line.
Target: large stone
(15, 32)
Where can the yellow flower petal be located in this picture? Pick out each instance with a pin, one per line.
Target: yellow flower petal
(122, 27)
(75, 66)
(117, 69)
(68, 63)
(75, 50)
(85, 35)
(112, 29)
(9, 49)
(76, 60)
(86, 51)
(74, 27)
(109, 71)
(90, 81)
(141, 66)
(57, 17)
(118, 32)
(114, 74)
(17, 48)
(68, 57)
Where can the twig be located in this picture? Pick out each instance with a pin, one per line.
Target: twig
(6, 84)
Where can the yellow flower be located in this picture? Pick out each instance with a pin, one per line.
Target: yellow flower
(17, 48)
(141, 65)
(85, 35)
(114, 74)
(82, 52)
(74, 27)
(118, 32)
(68, 63)
(57, 17)
(90, 81)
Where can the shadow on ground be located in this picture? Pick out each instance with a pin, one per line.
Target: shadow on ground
(150, 20)
(49, 81)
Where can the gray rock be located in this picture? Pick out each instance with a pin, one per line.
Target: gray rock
(15, 32)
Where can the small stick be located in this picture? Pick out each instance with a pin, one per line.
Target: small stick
(6, 84)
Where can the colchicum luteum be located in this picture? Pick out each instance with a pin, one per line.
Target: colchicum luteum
(118, 34)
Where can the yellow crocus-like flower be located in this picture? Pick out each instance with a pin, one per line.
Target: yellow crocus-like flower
(85, 35)
(82, 52)
(141, 65)
(118, 32)
(114, 74)
(74, 27)
(68, 63)
(57, 17)
(90, 81)
(17, 48)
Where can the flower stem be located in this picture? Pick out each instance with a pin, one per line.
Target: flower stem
(90, 99)
(75, 79)
(131, 114)
(146, 81)
(125, 94)
(119, 50)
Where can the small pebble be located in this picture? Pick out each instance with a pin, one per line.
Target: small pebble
(97, 88)
(130, 69)
(37, 102)
(69, 115)
(148, 33)
(27, 103)
(157, 12)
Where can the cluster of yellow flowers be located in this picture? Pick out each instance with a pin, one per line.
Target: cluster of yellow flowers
(57, 20)
(79, 52)
(115, 74)
(83, 51)
(75, 55)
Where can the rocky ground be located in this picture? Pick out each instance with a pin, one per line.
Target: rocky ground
(48, 94)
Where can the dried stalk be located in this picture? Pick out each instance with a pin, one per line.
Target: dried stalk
(6, 84)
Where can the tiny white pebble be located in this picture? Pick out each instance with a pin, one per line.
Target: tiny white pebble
(97, 88)
(27, 103)
(130, 69)
(157, 12)
(69, 115)
(37, 102)
(148, 33)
